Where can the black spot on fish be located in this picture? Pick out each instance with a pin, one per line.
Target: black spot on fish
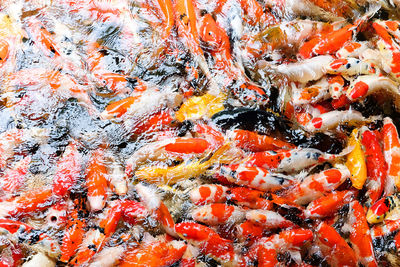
(185, 127)
(316, 155)
(348, 65)
(101, 229)
(279, 179)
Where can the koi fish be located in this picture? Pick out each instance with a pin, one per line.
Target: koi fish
(291, 161)
(384, 209)
(332, 119)
(360, 235)
(314, 186)
(391, 146)
(255, 177)
(171, 175)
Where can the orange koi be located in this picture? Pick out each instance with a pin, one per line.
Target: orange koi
(256, 142)
(27, 203)
(328, 205)
(42, 38)
(360, 236)
(4, 51)
(335, 248)
(207, 240)
(96, 181)
(73, 236)
(376, 166)
(249, 232)
(154, 254)
(215, 137)
(187, 145)
(255, 13)
(95, 239)
(167, 11)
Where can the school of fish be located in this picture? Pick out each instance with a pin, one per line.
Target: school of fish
(199, 133)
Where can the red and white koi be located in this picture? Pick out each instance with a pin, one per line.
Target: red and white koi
(352, 66)
(389, 49)
(352, 49)
(255, 177)
(145, 103)
(316, 185)
(11, 254)
(336, 86)
(368, 84)
(209, 193)
(266, 249)
(291, 161)
(391, 151)
(68, 170)
(330, 120)
(268, 219)
(218, 213)
(331, 42)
